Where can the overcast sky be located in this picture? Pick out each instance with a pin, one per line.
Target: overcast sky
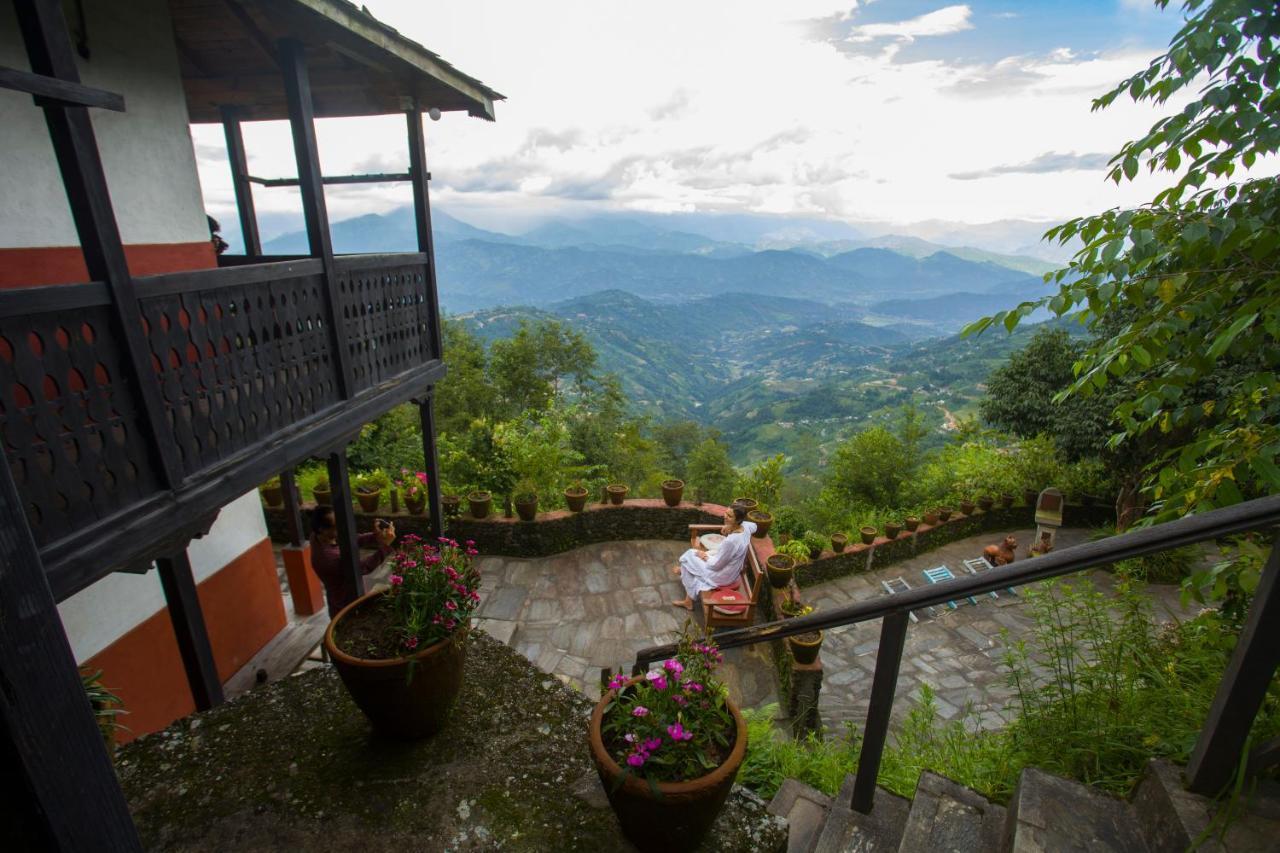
(897, 110)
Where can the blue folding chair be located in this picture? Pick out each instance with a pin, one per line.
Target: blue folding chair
(978, 565)
(895, 586)
(940, 574)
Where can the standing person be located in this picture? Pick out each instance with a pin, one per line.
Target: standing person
(700, 571)
(326, 556)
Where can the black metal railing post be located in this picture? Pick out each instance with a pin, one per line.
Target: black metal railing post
(1243, 688)
(884, 684)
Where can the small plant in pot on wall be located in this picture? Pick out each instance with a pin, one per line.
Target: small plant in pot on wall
(815, 542)
(272, 492)
(668, 746)
(400, 651)
(575, 497)
(617, 493)
(526, 500)
(369, 490)
(672, 491)
(412, 486)
(322, 493)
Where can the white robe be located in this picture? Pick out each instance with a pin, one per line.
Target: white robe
(722, 566)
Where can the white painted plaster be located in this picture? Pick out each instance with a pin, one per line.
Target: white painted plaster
(100, 614)
(147, 152)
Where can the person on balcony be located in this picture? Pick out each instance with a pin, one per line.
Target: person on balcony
(326, 556)
(700, 570)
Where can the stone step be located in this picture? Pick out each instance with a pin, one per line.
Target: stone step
(847, 831)
(805, 809)
(949, 818)
(1049, 814)
(1173, 819)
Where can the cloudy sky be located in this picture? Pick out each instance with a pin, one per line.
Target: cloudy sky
(896, 110)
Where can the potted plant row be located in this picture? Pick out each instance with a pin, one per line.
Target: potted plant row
(400, 651)
(575, 497)
(412, 487)
(667, 747)
(762, 520)
(617, 493)
(526, 500)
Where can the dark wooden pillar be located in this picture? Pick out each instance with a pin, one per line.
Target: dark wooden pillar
(345, 516)
(49, 49)
(240, 181)
(1242, 690)
(431, 460)
(297, 87)
(188, 626)
(292, 508)
(884, 682)
(422, 220)
(60, 786)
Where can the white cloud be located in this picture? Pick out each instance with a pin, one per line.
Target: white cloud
(950, 19)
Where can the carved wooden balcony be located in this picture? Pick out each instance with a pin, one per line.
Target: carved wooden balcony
(243, 362)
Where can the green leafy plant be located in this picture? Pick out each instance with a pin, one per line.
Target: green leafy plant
(106, 705)
(373, 480)
(525, 490)
(412, 485)
(815, 541)
(434, 589)
(788, 521)
(796, 549)
(1230, 582)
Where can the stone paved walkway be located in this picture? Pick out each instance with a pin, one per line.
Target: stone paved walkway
(958, 652)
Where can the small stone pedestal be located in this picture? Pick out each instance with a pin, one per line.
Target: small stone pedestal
(806, 687)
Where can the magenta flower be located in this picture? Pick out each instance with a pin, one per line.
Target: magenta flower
(411, 642)
(692, 686)
(640, 711)
(653, 744)
(658, 680)
(680, 700)
(678, 733)
(450, 605)
(618, 681)
(450, 624)
(636, 759)
(395, 580)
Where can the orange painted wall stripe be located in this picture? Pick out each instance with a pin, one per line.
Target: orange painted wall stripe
(243, 611)
(31, 267)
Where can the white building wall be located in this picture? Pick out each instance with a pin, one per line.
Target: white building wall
(100, 614)
(147, 152)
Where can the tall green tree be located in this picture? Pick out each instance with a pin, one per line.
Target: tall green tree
(711, 474)
(539, 362)
(1191, 280)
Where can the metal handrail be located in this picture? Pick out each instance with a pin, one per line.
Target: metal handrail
(1255, 664)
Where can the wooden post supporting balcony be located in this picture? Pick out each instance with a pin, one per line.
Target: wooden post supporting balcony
(345, 517)
(422, 220)
(240, 181)
(63, 790)
(183, 598)
(431, 460)
(297, 87)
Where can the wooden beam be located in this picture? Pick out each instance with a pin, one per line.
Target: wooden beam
(66, 787)
(252, 28)
(293, 60)
(50, 91)
(49, 51)
(238, 162)
(188, 626)
(345, 516)
(1243, 688)
(431, 460)
(422, 220)
(292, 507)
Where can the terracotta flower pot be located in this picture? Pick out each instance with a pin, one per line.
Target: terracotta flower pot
(839, 541)
(780, 568)
(931, 518)
(1030, 496)
(892, 529)
(527, 507)
(749, 503)
(944, 513)
(418, 505)
(450, 505)
(804, 648)
(369, 499)
(575, 499)
(762, 520)
(323, 495)
(1006, 500)
(273, 495)
(868, 535)
(912, 522)
(967, 507)
(673, 492)
(986, 502)
(680, 817)
(398, 703)
(480, 504)
(617, 494)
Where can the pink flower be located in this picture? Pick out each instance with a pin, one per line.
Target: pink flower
(636, 759)
(640, 711)
(692, 686)
(395, 580)
(658, 680)
(629, 737)
(618, 681)
(678, 733)
(673, 666)
(653, 744)
(450, 605)
(450, 624)
(411, 643)
(422, 475)
(680, 700)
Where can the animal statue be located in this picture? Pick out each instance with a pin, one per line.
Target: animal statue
(1002, 554)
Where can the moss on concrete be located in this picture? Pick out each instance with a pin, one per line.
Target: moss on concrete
(293, 765)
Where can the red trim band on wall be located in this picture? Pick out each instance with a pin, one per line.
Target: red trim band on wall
(42, 265)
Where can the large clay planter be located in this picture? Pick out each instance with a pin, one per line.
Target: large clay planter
(749, 503)
(780, 568)
(273, 495)
(805, 652)
(839, 541)
(892, 529)
(912, 522)
(986, 502)
(527, 509)
(967, 507)
(369, 499)
(672, 492)
(396, 704)
(762, 520)
(684, 812)
(450, 505)
(868, 535)
(575, 499)
(617, 494)
(480, 503)
(323, 495)
(416, 506)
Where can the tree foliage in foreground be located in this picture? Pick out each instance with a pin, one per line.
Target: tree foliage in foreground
(1185, 290)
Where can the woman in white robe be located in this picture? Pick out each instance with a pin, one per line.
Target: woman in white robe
(699, 570)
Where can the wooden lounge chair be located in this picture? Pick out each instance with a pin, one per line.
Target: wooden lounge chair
(732, 606)
(895, 586)
(938, 574)
(978, 565)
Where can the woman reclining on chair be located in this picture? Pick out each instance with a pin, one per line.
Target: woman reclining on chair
(700, 571)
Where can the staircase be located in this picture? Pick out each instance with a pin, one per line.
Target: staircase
(1046, 813)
